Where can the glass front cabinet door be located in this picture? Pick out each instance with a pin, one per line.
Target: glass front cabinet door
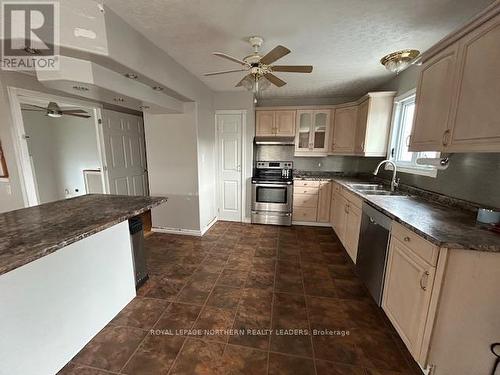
(312, 131)
(304, 130)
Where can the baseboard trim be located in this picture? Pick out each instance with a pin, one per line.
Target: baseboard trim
(311, 224)
(209, 225)
(184, 232)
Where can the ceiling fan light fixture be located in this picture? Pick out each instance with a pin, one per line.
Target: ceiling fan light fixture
(264, 83)
(54, 114)
(398, 61)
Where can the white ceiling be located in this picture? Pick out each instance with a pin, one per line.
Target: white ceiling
(343, 39)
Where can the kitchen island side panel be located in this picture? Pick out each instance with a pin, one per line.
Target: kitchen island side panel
(50, 308)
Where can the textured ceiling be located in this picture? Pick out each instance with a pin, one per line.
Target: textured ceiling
(343, 39)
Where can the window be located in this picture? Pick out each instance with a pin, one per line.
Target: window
(406, 161)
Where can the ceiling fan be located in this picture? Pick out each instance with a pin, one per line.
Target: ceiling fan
(259, 68)
(53, 110)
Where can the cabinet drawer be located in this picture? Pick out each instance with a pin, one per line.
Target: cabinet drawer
(421, 247)
(306, 183)
(304, 214)
(305, 200)
(297, 190)
(353, 199)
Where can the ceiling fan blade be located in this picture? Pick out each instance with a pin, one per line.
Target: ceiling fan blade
(275, 54)
(33, 109)
(74, 111)
(275, 80)
(224, 72)
(233, 59)
(76, 115)
(26, 106)
(292, 68)
(240, 83)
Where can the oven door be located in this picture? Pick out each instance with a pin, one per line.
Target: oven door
(272, 197)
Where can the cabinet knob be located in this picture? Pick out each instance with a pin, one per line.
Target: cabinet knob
(406, 239)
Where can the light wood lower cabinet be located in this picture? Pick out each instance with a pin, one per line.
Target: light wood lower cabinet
(407, 293)
(325, 194)
(345, 218)
(311, 201)
(353, 224)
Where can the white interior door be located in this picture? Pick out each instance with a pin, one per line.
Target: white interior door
(125, 154)
(229, 159)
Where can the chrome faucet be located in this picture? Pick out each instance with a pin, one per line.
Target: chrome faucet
(394, 182)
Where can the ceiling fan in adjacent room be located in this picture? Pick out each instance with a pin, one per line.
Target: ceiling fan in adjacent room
(260, 69)
(53, 110)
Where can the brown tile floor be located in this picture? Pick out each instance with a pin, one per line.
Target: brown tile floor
(248, 278)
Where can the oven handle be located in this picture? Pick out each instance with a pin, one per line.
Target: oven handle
(271, 185)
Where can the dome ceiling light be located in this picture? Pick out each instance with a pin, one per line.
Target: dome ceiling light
(398, 61)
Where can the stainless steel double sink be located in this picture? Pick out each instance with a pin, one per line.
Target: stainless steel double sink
(375, 189)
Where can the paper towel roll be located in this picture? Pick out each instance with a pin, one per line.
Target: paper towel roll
(439, 163)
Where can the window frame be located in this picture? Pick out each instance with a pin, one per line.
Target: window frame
(395, 138)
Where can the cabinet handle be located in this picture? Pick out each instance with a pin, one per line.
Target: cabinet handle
(406, 239)
(346, 209)
(422, 285)
(445, 137)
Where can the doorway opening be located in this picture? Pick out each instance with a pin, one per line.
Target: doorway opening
(67, 147)
(63, 150)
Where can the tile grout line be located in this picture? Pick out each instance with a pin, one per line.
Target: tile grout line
(143, 339)
(172, 366)
(307, 314)
(272, 301)
(202, 306)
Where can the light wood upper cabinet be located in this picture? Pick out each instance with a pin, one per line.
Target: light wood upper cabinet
(264, 123)
(407, 293)
(373, 124)
(361, 122)
(476, 121)
(344, 130)
(312, 134)
(457, 93)
(275, 123)
(325, 197)
(433, 102)
(285, 123)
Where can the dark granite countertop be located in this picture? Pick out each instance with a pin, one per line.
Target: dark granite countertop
(444, 226)
(31, 233)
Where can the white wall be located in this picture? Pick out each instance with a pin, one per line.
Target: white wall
(199, 137)
(173, 168)
(41, 149)
(241, 101)
(61, 149)
(53, 306)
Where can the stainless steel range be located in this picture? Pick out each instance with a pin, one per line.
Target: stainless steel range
(272, 192)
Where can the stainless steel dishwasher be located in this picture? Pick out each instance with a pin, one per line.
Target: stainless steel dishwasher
(372, 250)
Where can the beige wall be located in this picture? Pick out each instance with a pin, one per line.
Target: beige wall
(172, 165)
(61, 148)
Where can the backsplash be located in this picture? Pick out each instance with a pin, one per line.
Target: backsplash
(471, 177)
(351, 164)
